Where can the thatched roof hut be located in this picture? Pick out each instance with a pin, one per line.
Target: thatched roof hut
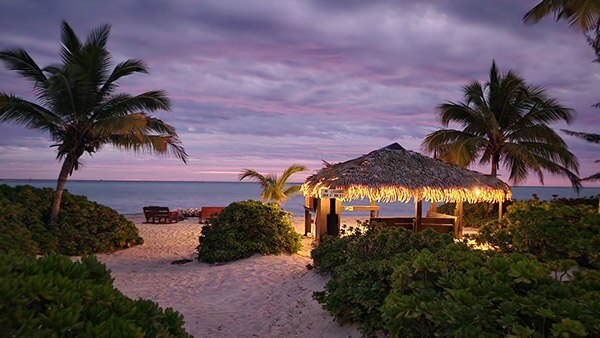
(393, 174)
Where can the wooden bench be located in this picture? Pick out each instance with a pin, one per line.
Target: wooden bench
(208, 212)
(155, 214)
(402, 222)
(445, 224)
(442, 225)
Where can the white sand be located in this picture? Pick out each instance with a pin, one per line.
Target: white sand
(262, 296)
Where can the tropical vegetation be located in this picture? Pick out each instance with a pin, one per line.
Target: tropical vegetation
(246, 228)
(84, 227)
(458, 292)
(361, 267)
(504, 122)
(52, 296)
(393, 282)
(548, 230)
(77, 104)
(275, 189)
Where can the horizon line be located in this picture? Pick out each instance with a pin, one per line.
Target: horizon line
(208, 181)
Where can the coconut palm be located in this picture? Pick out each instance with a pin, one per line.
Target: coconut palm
(505, 122)
(275, 189)
(78, 106)
(583, 15)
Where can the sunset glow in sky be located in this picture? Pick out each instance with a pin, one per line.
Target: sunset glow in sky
(264, 84)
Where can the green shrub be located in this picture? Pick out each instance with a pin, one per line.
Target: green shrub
(84, 227)
(478, 214)
(361, 267)
(548, 230)
(54, 297)
(457, 292)
(245, 228)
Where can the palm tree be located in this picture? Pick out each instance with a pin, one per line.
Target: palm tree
(505, 122)
(274, 188)
(583, 15)
(77, 104)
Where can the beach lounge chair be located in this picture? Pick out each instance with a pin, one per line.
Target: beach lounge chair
(156, 214)
(208, 212)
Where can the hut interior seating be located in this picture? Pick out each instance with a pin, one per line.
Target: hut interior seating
(403, 222)
(439, 222)
(442, 225)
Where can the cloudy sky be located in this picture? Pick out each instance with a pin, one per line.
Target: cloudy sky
(264, 84)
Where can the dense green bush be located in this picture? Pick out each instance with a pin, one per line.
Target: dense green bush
(245, 228)
(424, 285)
(54, 297)
(361, 267)
(548, 230)
(478, 214)
(457, 292)
(84, 227)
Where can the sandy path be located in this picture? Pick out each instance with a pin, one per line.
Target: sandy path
(262, 296)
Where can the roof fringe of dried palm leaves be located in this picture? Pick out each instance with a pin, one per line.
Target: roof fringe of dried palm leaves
(394, 174)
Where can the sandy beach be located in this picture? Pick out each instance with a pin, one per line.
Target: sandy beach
(262, 296)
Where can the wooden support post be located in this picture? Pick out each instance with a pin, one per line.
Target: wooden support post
(500, 210)
(418, 214)
(458, 225)
(307, 209)
(321, 218)
(373, 211)
(333, 218)
(307, 222)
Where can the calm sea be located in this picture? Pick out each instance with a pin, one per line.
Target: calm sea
(129, 197)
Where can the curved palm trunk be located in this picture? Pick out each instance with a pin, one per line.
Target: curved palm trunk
(60, 187)
(495, 162)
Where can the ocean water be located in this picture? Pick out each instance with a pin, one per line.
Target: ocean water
(128, 197)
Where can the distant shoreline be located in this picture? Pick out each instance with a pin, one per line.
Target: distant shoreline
(238, 182)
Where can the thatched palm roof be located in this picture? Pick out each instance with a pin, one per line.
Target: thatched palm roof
(396, 174)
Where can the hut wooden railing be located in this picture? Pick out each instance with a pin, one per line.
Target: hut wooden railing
(442, 224)
(402, 222)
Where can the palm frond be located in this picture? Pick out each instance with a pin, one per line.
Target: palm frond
(156, 144)
(461, 114)
(71, 45)
(124, 104)
(595, 177)
(253, 174)
(289, 171)
(99, 36)
(20, 61)
(123, 69)
(582, 15)
(593, 138)
(17, 110)
(442, 140)
(292, 190)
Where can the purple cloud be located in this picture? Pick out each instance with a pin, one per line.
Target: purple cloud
(266, 84)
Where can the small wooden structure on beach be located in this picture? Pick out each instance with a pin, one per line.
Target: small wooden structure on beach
(393, 174)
